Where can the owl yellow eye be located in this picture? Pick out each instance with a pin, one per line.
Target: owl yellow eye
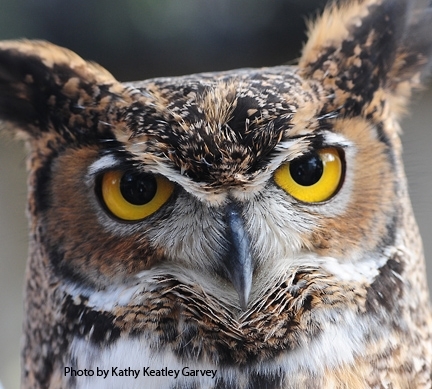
(311, 178)
(132, 196)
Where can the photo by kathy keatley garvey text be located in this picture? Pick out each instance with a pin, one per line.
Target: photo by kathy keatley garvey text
(146, 371)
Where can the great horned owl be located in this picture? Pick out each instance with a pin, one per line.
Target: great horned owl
(241, 229)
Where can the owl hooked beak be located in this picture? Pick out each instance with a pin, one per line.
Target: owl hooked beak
(238, 262)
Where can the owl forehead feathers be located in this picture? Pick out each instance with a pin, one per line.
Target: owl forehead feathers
(217, 130)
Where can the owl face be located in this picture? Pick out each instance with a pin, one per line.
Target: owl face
(242, 220)
(232, 164)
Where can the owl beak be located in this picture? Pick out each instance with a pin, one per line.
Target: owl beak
(238, 262)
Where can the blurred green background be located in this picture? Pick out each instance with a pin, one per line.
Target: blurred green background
(135, 40)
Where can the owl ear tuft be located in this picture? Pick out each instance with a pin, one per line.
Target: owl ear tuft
(44, 87)
(367, 52)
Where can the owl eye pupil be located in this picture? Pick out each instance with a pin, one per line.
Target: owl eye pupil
(138, 188)
(306, 170)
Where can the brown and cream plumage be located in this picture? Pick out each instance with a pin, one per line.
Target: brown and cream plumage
(252, 223)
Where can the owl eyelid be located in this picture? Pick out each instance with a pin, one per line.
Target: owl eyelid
(309, 143)
(103, 164)
(110, 162)
(315, 150)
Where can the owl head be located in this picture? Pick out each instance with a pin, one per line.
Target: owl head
(253, 196)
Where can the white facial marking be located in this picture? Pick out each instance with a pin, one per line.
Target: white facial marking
(105, 162)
